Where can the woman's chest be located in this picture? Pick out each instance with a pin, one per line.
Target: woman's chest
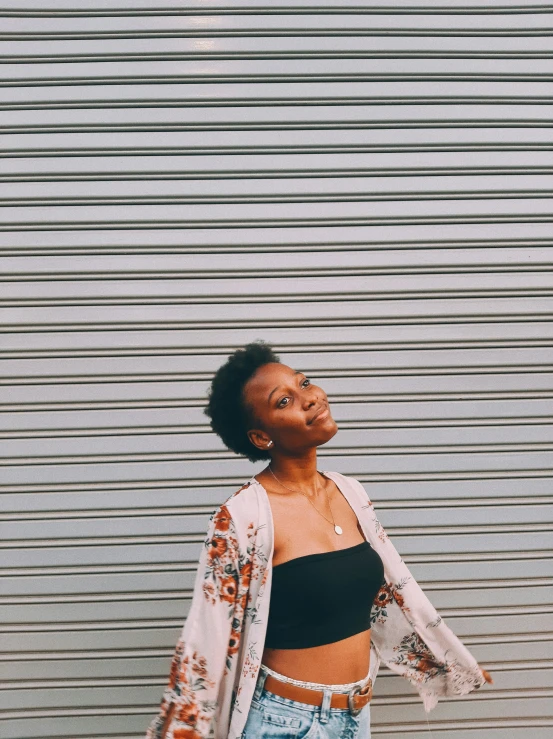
(300, 529)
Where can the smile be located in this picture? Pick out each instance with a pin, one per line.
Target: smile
(320, 415)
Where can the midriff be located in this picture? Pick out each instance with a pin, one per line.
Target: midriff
(344, 661)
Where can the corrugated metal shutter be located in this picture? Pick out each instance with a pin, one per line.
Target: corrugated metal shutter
(368, 187)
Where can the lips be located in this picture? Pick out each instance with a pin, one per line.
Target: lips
(321, 410)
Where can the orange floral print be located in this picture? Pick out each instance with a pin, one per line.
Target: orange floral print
(414, 654)
(385, 596)
(188, 714)
(221, 575)
(186, 732)
(399, 599)
(228, 589)
(243, 600)
(382, 599)
(234, 643)
(189, 676)
(175, 664)
(396, 591)
(217, 547)
(222, 518)
(209, 592)
(245, 575)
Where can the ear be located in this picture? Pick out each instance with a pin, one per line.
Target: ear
(258, 438)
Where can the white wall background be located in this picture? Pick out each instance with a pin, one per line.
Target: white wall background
(366, 186)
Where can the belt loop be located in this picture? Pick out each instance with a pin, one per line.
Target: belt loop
(260, 684)
(325, 706)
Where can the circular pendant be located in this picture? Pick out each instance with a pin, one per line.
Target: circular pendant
(338, 529)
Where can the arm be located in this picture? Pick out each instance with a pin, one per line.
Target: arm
(209, 639)
(409, 635)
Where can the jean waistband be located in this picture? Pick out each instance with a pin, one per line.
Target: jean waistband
(336, 688)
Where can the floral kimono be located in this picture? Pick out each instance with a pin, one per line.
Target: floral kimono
(218, 655)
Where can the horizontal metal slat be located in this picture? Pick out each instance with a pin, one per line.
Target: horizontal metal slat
(431, 335)
(220, 94)
(176, 117)
(184, 48)
(379, 284)
(145, 7)
(270, 70)
(410, 260)
(238, 215)
(58, 319)
(91, 155)
(283, 241)
(64, 8)
(302, 23)
(176, 170)
(321, 188)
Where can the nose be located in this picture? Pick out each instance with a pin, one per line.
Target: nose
(312, 398)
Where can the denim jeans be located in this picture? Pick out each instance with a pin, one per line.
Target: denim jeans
(274, 717)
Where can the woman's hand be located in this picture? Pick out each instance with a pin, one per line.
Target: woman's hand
(487, 676)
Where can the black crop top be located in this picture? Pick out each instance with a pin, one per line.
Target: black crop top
(324, 597)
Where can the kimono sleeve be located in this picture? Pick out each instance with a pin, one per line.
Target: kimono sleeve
(208, 640)
(409, 635)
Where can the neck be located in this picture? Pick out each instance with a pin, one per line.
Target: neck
(298, 474)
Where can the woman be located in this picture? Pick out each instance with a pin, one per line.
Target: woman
(299, 594)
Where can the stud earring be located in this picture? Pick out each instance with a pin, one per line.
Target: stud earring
(270, 443)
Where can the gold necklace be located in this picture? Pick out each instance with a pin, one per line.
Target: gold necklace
(337, 529)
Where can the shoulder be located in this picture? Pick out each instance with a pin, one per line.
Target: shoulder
(346, 480)
(236, 519)
(242, 505)
(352, 484)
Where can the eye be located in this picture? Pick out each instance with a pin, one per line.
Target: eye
(283, 402)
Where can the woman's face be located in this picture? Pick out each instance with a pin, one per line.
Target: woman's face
(288, 408)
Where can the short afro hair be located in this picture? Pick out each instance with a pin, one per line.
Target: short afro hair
(230, 418)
